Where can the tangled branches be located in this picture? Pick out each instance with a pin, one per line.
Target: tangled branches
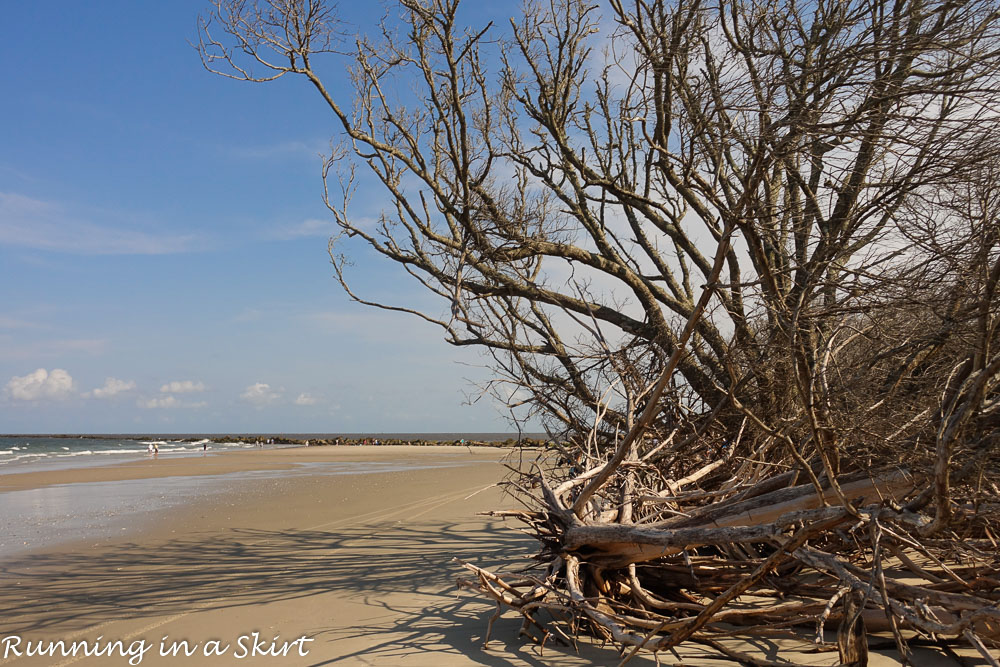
(710, 547)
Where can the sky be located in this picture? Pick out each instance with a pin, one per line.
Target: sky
(163, 247)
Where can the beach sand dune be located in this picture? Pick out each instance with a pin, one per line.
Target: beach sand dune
(349, 569)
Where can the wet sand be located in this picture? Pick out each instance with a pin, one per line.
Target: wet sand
(359, 563)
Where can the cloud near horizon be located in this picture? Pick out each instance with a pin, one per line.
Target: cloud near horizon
(41, 384)
(182, 387)
(157, 403)
(259, 394)
(167, 402)
(305, 399)
(112, 387)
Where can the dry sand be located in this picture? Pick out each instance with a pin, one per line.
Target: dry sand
(358, 563)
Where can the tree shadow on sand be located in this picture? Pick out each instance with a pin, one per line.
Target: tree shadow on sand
(240, 567)
(405, 570)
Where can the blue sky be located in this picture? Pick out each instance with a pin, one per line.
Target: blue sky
(163, 247)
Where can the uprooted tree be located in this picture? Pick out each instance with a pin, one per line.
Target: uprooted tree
(740, 257)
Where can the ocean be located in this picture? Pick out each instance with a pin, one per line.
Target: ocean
(31, 453)
(34, 453)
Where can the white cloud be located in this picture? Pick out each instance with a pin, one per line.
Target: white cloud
(45, 225)
(305, 399)
(112, 386)
(167, 402)
(41, 384)
(156, 403)
(260, 394)
(182, 387)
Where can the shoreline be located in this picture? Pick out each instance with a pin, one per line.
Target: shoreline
(39, 453)
(213, 463)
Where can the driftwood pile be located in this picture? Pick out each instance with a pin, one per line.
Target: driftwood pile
(749, 544)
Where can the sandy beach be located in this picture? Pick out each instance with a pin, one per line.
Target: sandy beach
(358, 562)
(343, 554)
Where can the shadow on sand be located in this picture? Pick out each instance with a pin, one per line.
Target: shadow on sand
(404, 571)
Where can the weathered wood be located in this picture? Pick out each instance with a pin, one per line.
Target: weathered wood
(852, 639)
(887, 485)
(618, 545)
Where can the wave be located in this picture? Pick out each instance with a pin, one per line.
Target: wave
(23, 456)
(61, 454)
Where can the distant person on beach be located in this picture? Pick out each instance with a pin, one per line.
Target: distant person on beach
(204, 446)
(149, 448)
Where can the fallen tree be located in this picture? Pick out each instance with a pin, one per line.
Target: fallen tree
(773, 563)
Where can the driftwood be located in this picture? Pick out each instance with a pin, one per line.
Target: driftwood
(707, 556)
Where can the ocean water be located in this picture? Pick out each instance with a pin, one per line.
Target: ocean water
(34, 453)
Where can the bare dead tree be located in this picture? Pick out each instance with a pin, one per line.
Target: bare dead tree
(742, 256)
